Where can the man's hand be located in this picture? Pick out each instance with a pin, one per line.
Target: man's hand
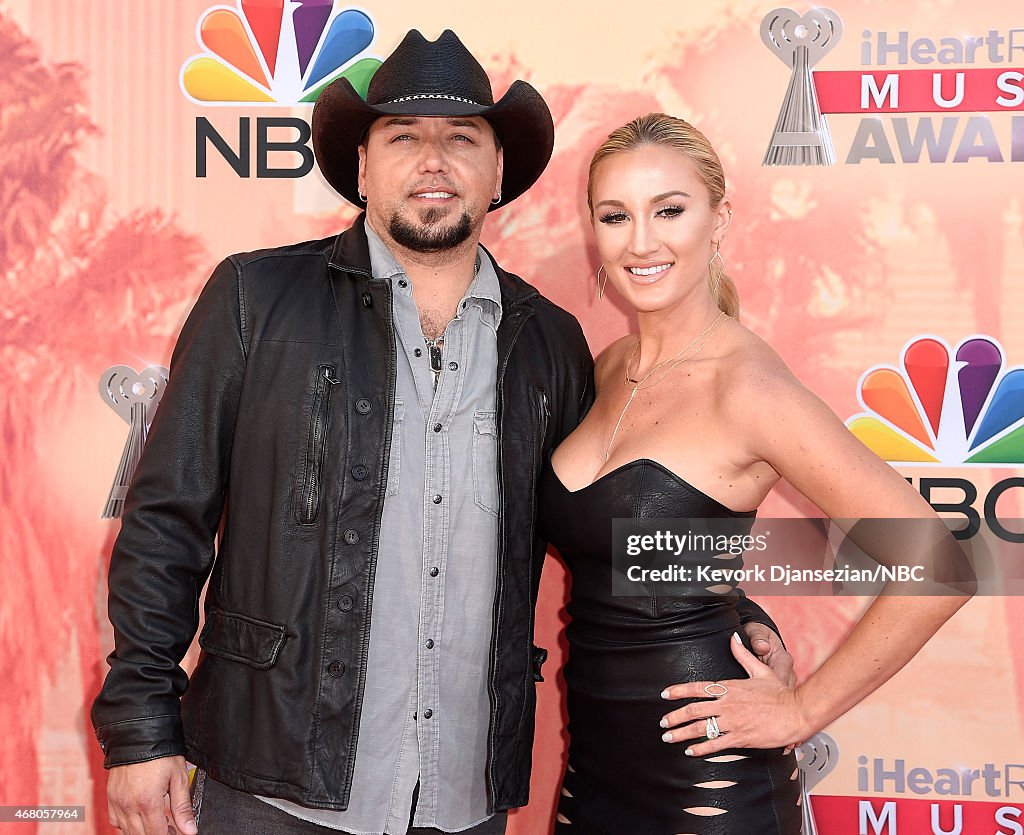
(769, 650)
(137, 797)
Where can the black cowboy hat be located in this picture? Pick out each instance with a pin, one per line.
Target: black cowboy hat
(439, 78)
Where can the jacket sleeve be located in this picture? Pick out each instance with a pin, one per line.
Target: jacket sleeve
(750, 612)
(579, 396)
(164, 552)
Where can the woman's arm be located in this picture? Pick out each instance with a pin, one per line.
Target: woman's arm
(800, 437)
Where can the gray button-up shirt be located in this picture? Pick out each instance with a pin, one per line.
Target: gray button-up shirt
(426, 708)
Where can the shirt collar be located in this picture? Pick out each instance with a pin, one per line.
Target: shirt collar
(484, 289)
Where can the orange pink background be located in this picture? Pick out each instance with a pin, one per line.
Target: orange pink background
(106, 236)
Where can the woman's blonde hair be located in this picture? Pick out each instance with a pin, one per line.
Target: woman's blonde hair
(669, 132)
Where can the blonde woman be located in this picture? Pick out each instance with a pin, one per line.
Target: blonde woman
(675, 726)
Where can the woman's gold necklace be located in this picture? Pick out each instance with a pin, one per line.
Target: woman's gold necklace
(671, 362)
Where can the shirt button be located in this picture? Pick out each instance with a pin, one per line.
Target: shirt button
(345, 602)
(359, 472)
(403, 283)
(336, 669)
(367, 300)
(351, 536)
(453, 366)
(436, 499)
(438, 427)
(428, 713)
(363, 406)
(418, 352)
(434, 571)
(430, 643)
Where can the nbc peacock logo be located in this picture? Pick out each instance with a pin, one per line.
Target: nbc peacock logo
(277, 52)
(944, 406)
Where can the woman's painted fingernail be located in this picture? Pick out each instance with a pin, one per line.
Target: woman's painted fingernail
(736, 637)
(664, 723)
(688, 752)
(664, 694)
(666, 737)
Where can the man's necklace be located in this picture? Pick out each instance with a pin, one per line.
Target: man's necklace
(435, 345)
(434, 348)
(671, 362)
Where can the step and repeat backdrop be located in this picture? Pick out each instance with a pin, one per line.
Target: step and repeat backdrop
(875, 158)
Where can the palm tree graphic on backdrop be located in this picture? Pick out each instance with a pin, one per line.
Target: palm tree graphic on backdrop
(82, 289)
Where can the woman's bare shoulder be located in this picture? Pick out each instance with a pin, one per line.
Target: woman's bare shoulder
(611, 360)
(751, 368)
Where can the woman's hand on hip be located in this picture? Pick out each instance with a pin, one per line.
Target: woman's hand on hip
(758, 712)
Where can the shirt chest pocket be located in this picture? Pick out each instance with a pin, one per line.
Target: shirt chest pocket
(395, 459)
(485, 461)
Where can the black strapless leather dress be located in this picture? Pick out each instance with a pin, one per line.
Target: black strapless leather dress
(621, 779)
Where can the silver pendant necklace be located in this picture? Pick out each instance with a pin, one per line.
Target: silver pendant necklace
(435, 345)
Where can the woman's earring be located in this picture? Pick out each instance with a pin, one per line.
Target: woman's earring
(601, 282)
(718, 255)
(716, 276)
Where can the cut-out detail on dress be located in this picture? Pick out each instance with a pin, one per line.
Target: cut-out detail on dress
(562, 818)
(566, 792)
(706, 811)
(799, 801)
(726, 758)
(725, 556)
(715, 784)
(721, 588)
(796, 771)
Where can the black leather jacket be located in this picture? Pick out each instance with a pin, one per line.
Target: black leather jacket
(278, 416)
(280, 405)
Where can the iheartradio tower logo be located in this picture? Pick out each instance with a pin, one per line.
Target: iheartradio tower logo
(801, 134)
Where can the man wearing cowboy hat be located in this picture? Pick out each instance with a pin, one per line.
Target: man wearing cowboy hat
(368, 413)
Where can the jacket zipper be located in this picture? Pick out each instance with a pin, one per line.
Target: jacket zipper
(545, 414)
(321, 413)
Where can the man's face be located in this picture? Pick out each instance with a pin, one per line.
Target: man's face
(429, 180)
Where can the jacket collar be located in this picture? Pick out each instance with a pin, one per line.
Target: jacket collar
(351, 254)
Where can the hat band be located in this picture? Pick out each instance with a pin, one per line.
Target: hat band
(435, 96)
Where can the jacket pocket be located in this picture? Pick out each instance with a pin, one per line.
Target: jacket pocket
(395, 459)
(242, 638)
(307, 497)
(485, 461)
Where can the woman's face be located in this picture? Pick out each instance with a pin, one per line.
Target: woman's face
(654, 226)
